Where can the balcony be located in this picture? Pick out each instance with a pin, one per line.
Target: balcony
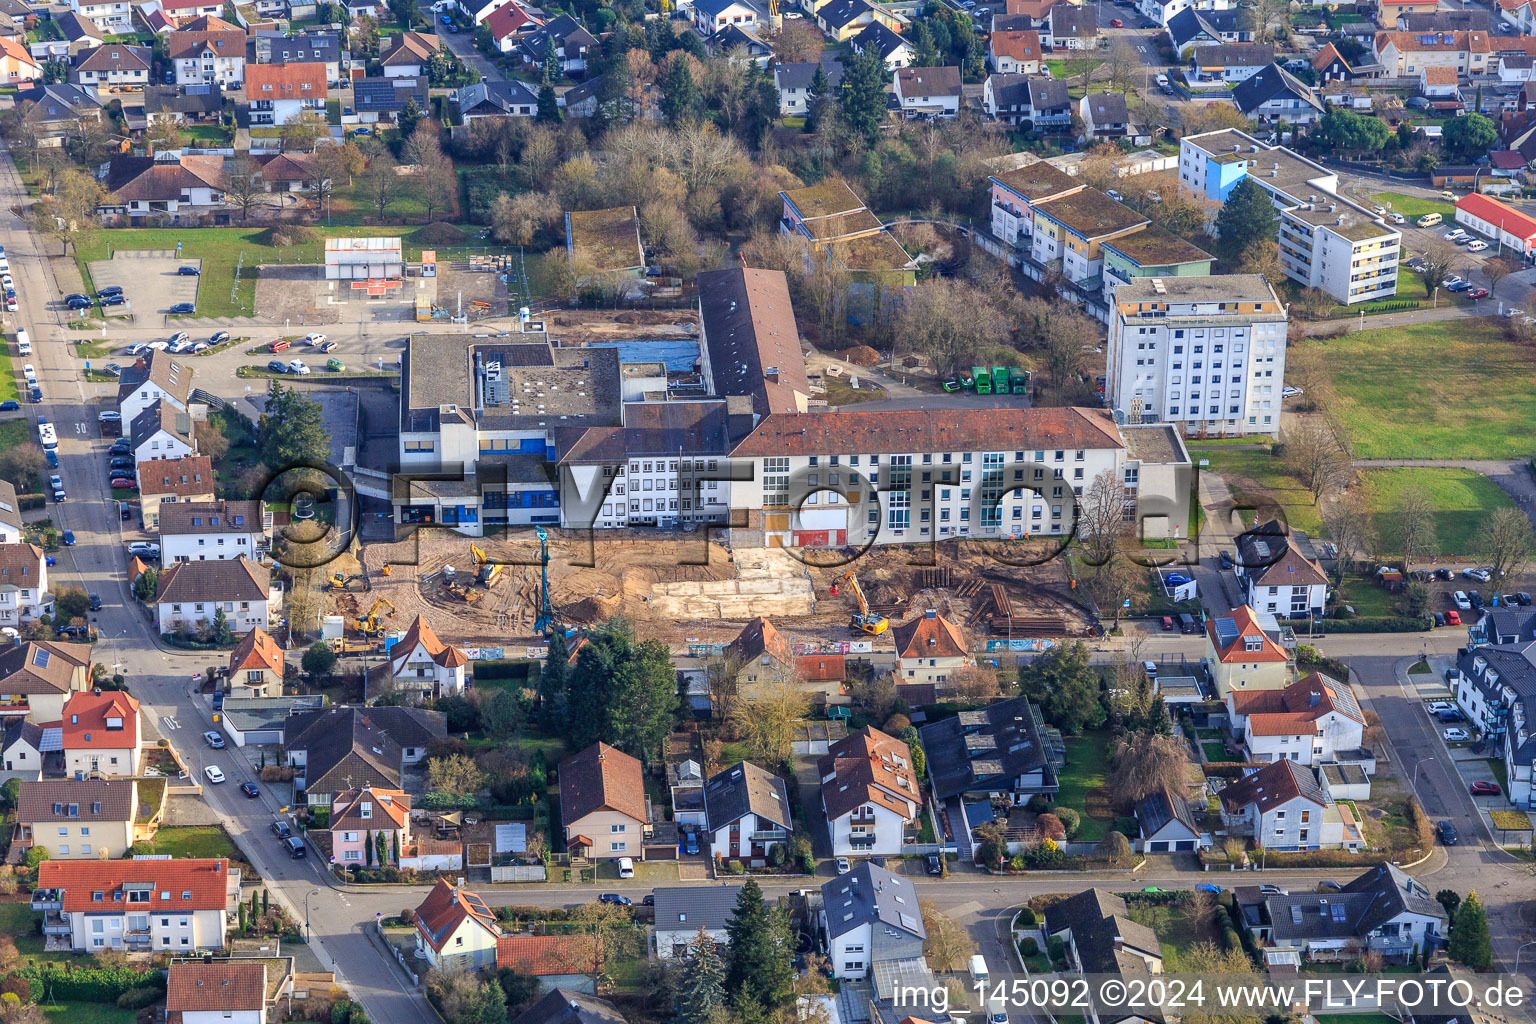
(772, 835)
(55, 924)
(862, 842)
(47, 899)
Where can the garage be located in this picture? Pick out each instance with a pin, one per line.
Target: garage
(1158, 846)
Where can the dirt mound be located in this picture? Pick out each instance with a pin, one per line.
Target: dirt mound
(288, 234)
(440, 234)
(860, 355)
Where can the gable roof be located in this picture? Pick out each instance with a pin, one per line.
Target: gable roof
(162, 415)
(445, 908)
(756, 639)
(21, 566)
(219, 516)
(420, 633)
(863, 767)
(1100, 923)
(184, 477)
(114, 57)
(408, 48)
(1274, 785)
(751, 340)
(1502, 216)
(324, 47)
(41, 666)
(388, 95)
(212, 987)
(285, 81)
(601, 778)
(501, 95)
(161, 368)
(943, 82)
(1155, 811)
(990, 748)
(1238, 638)
(1235, 55)
(744, 789)
(565, 1006)
(257, 650)
(876, 35)
(1106, 108)
(870, 894)
(385, 808)
(1190, 24)
(89, 717)
(61, 101)
(1328, 55)
(82, 800)
(193, 99)
(76, 27)
(183, 883)
(544, 955)
(225, 579)
(1270, 83)
(228, 42)
(330, 736)
(1270, 555)
(11, 48)
(1075, 22)
(687, 908)
(1290, 712)
(1019, 44)
(510, 19)
(930, 635)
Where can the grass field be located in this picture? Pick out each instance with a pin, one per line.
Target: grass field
(196, 841)
(1413, 207)
(1259, 480)
(1432, 392)
(1058, 69)
(9, 388)
(1087, 769)
(220, 249)
(88, 1013)
(1460, 497)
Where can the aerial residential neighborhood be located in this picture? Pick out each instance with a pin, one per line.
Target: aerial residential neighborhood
(727, 512)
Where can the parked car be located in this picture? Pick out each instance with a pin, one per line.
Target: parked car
(1453, 618)
(1167, 623)
(1439, 618)
(144, 549)
(182, 308)
(218, 337)
(1485, 789)
(1208, 887)
(277, 366)
(933, 864)
(214, 739)
(1522, 599)
(328, 346)
(215, 774)
(281, 829)
(9, 405)
(1456, 734)
(1452, 715)
(614, 897)
(1440, 705)
(1150, 668)
(1459, 598)
(842, 865)
(1447, 833)
(1226, 560)
(1481, 575)
(112, 370)
(95, 602)
(1477, 293)
(298, 366)
(1290, 392)
(69, 538)
(1116, 23)
(335, 365)
(114, 300)
(187, 271)
(278, 345)
(126, 483)
(1176, 579)
(313, 339)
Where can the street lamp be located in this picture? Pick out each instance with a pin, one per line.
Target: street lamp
(1518, 951)
(312, 892)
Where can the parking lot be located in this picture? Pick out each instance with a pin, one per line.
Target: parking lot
(151, 283)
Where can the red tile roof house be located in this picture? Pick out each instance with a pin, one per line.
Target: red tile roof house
(558, 961)
(406, 55)
(424, 666)
(227, 992)
(187, 479)
(99, 733)
(187, 10)
(279, 93)
(868, 793)
(455, 930)
(172, 906)
(359, 817)
(602, 804)
(256, 666)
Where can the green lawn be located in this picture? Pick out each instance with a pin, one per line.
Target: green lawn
(1369, 599)
(1431, 391)
(9, 389)
(1087, 769)
(196, 841)
(204, 133)
(1214, 751)
(13, 432)
(1058, 69)
(1460, 497)
(220, 250)
(88, 1013)
(1258, 480)
(1413, 207)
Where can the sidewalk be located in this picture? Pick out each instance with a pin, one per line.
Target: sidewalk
(1407, 318)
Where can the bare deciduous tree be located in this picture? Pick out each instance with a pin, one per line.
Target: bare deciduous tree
(1350, 526)
(1440, 259)
(1505, 541)
(766, 718)
(974, 682)
(1313, 454)
(1416, 522)
(1497, 269)
(1146, 766)
(947, 945)
(243, 187)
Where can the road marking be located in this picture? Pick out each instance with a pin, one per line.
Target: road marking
(79, 428)
(169, 722)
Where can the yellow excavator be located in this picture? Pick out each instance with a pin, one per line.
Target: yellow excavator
(339, 581)
(864, 620)
(371, 624)
(486, 570)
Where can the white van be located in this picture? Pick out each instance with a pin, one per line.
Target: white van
(23, 343)
(48, 436)
(626, 867)
(1429, 220)
(978, 970)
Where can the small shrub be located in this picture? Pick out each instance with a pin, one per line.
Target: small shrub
(1027, 918)
(138, 998)
(1039, 803)
(1028, 946)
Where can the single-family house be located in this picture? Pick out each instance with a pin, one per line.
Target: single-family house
(1106, 116)
(567, 1006)
(161, 431)
(1241, 654)
(21, 747)
(405, 55)
(369, 826)
(602, 804)
(893, 47)
(173, 481)
(382, 99)
(288, 172)
(759, 654)
(1015, 53)
(1230, 62)
(793, 82)
(341, 748)
(77, 819)
(1071, 28)
(24, 592)
(80, 34)
(1383, 911)
(176, 905)
(225, 992)
(455, 930)
(929, 649)
(1275, 575)
(842, 20)
(16, 64)
(1313, 721)
(139, 187)
(256, 666)
(497, 99)
(509, 23)
(572, 42)
(112, 64)
(278, 93)
(158, 375)
(55, 110)
(1191, 28)
(869, 793)
(10, 514)
(1274, 94)
(682, 910)
(191, 594)
(1166, 824)
(871, 917)
(423, 666)
(1282, 808)
(746, 812)
(559, 962)
(1096, 928)
(710, 16)
(927, 92)
(37, 676)
(1437, 82)
(192, 104)
(181, 11)
(100, 733)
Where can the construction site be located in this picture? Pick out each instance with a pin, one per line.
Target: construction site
(691, 588)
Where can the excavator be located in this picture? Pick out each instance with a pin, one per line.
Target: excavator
(340, 582)
(864, 620)
(486, 571)
(371, 624)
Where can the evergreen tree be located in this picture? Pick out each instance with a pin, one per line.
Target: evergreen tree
(368, 847)
(493, 1004)
(381, 848)
(926, 55)
(1470, 943)
(242, 918)
(680, 95)
(620, 691)
(264, 902)
(549, 107)
(1246, 217)
(1065, 687)
(221, 631)
(701, 987)
(551, 713)
(394, 846)
(864, 82)
(409, 117)
(551, 61)
(820, 96)
(291, 432)
(759, 970)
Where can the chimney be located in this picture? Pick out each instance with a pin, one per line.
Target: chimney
(1119, 943)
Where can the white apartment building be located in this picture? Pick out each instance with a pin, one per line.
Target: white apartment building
(23, 584)
(1326, 242)
(178, 905)
(1205, 353)
(111, 18)
(215, 530)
